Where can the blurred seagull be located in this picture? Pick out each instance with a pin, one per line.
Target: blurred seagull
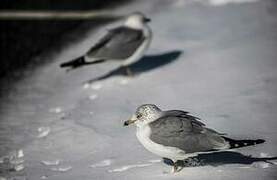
(176, 135)
(126, 43)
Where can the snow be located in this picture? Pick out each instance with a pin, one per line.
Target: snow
(123, 81)
(93, 96)
(224, 72)
(262, 165)
(124, 168)
(264, 155)
(51, 163)
(154, 160)
(43, 131)
(103, 163)
(61, 169)
(56, 110)
(44, 177)
(224, 2)
(86, 85)
(20, 153)
(96, 86)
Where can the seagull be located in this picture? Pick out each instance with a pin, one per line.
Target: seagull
(126, 44)
(177, 135)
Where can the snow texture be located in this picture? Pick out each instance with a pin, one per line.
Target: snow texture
(43, 131)
(61, 169)
(103, 163)
(124, 168)
(51, 163)
(216, 61)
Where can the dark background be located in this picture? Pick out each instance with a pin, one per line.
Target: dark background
(20, 40)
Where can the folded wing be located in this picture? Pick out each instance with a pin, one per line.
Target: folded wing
(179, 129)
(118, 44)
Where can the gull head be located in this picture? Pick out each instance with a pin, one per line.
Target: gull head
(136, 20)
(144, 114)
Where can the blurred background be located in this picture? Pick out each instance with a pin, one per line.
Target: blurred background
(23, 39)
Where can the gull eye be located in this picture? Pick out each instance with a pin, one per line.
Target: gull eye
(139, 116)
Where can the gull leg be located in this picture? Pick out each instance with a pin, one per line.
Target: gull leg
(128, 71)
(174, 167)
(172, 163)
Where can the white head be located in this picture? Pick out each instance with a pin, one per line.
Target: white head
(144, 114)
(136, 20)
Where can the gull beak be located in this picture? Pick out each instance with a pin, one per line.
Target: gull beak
(130, 121)
(147, 20)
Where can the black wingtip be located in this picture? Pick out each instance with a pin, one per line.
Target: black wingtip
(63, 65)
(242, 143)
(73, 63)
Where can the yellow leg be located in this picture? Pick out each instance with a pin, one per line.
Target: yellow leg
(174, 168)
(128, 71)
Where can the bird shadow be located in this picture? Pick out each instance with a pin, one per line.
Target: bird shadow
(219, 158)
(147, 63)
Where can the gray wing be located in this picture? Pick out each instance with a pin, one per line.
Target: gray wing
(178, 129)
(118, 43)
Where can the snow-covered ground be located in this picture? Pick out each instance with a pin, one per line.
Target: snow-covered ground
(215, 60)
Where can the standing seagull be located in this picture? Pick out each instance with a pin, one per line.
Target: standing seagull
(176, 135)
(126, 43)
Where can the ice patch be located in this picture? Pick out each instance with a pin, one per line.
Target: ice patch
(103, 163)
(91, 113)
(51, 163)
(43, 131)
(124, 168)
(62, 169)
(93, 97)
(55, 110)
